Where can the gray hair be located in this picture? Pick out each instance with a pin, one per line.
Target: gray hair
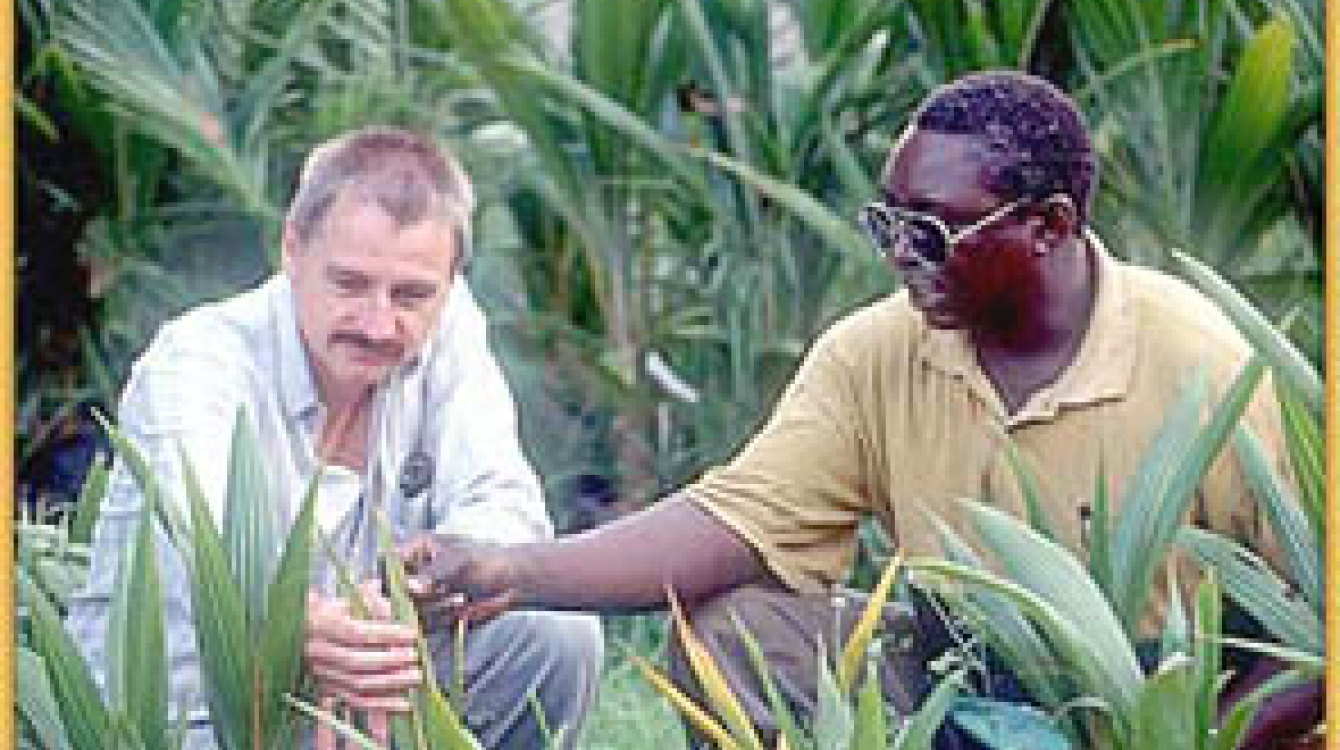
(405, 174)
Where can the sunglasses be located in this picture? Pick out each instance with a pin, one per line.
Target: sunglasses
(926, 235)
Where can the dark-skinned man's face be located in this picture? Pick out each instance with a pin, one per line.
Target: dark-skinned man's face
(989, 275)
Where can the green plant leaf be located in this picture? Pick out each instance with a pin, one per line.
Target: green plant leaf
(858, 643)
(89, 504)
(1246, 123)
(817, 217)
(1007, 726)
(223, 641)
(1167, 714)
(919, 731)
(87, 721)
(344, 728)
(872, 731)
(782, 716)
(36, 703)
(834, 722)
(250, 521)
(1251, 583)
(1292, 528)
(280, 643)
(1285, 359)
(169, 513)
(1158, 497)
(138, 674)
(1208, 654)
(1307, 452)
(1054, 574)
(1000, 621)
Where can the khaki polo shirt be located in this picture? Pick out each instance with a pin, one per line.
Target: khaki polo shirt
(887, 416)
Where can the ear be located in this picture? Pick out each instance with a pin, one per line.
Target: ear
(1058, 220)
(288, 243)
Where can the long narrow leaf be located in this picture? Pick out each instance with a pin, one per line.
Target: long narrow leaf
(36, 702)
(89, 504)
(713, 681)
(919, 732)
(87, 722)
(682, 703)
(1054, 574)
(143, 684)
(1158, 499)
(854, 652)
(250, 521)
(223, 643)
(1250, 582)
(281, 637)
(1292, 528)
(1285, 358)
(787, 726)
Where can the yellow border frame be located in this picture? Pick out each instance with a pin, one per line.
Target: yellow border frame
(7, 686)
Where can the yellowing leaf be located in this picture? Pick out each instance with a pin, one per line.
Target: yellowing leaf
(853, 654)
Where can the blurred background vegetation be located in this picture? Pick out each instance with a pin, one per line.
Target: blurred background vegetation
(667, 185)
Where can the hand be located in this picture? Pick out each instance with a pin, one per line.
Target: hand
(460, 579)
(360, 665)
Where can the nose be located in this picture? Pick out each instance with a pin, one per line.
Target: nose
(379, 320)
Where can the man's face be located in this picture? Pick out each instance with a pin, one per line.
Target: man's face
(990, 268)
(367, 292)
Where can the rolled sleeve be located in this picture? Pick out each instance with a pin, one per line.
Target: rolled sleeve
(796, 492)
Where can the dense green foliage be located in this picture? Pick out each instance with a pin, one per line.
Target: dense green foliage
(666, 190)
(665, 223)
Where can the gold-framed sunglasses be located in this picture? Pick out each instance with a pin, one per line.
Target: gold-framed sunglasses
(927, 235)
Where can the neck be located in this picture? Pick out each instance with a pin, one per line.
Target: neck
(1038, 342)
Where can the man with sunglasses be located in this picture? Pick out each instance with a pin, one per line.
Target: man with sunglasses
(1016, 326)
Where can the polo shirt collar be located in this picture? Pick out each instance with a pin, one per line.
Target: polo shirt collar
(1103, 367)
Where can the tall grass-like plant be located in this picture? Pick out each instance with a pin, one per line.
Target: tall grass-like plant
(849, 716)
(248, 584)
(1198, 110)
(1068, 627)
(1175, 707)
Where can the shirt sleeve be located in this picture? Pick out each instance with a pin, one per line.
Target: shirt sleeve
(488, 489)
(181, 399)
(798, 489)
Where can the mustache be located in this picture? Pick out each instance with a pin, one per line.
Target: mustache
(382, 348)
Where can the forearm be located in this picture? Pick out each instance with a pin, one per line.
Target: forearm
(630, 564)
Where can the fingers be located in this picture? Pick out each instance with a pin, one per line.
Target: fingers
(368, 664)
(379, 728)
(484, 610)
(325, 733)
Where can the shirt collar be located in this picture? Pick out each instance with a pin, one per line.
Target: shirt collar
(1102, 369)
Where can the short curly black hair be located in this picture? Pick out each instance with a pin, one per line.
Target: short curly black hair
(1036, 133)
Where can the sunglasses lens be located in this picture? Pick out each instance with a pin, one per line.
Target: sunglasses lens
(926, 239)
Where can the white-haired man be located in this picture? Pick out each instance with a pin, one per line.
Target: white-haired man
(366, 353)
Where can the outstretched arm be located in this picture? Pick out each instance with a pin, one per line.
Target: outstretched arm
(627, 565)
